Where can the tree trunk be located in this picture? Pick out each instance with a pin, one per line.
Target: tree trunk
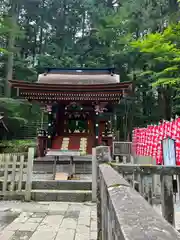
(41, 29)
(165, 102)
(11, 41)
(61, 31)
(161, 104)
(110, 4)
(168, 102)
(144, 103)
(173, 10)
(130, 120)
(83, 23)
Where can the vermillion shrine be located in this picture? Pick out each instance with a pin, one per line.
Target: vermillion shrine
(80, 105)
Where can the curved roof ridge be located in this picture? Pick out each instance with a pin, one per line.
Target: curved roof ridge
(78, 78)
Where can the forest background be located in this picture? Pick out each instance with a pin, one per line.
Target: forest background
(140, 38)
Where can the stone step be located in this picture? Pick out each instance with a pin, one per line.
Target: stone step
(55, 185)
(61, 195)
(62, 184)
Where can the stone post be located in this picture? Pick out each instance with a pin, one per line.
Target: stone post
(94, 175)
(29, 174)
(150, 194)
(141, 184)
(96, 189)
(167, 199)
(178, 179)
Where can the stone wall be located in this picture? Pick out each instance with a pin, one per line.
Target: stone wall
(124, 214)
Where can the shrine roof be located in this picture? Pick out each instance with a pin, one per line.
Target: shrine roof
(85, 76)
(81, 84)
(70, 87)
(64, 92)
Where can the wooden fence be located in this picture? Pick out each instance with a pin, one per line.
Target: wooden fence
(16, 175)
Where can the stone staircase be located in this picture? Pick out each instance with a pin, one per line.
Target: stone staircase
(65, 191)
(44, 188)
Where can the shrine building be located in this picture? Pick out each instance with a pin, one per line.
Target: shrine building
(80, 104)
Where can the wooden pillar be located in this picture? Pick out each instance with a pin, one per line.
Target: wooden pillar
(96, 129)
(60, 120)
(57, 121)
(167, 202)
(91, 127)
(115, 126)
(41, 146)
(49, 141)
(101, 129)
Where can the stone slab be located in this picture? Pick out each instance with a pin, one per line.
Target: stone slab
(34, 220)
(25, 235)
(71, 222)
(6, 234)
(66, 234)
(46, 234)
(72, 214)
(84, 221)
(93, 235)
(82, 236)
(28, 226)
(84, 229)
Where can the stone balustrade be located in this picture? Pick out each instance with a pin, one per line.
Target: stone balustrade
(123, 214)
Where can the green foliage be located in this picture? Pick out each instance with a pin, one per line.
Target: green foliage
(18, 108)
(17, 115)
(161, 51)
(16, 146)
(140, 38)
